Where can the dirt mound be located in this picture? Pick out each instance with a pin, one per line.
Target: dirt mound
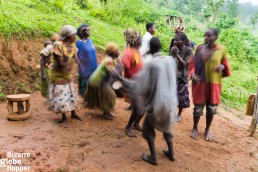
(18, 64)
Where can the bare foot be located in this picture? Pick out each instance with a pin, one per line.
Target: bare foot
(108, 116)
(168, 154)
(208, 135)
(194, 134)
(63, 123)
(178, 117)
(137, 127)
(149, 159)
(129, 108)
(129, 132)
(50, 108)
(76, 117)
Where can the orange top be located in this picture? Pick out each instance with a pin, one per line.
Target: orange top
(132, 62)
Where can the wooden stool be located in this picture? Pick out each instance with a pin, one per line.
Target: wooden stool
(22, 113)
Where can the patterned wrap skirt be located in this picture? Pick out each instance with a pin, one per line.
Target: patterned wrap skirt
(62, 97)
(183, 94)
(102, 97)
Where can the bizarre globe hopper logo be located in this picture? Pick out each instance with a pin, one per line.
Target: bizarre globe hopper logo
(13, 162)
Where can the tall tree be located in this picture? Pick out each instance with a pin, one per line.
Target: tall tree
(232, 8)
(254, 19)
(211, 9)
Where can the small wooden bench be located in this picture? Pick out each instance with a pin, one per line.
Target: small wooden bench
(22, 113)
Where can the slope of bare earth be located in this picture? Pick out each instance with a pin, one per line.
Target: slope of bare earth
(19, 64)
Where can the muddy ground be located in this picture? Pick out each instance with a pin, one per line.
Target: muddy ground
(96, 144)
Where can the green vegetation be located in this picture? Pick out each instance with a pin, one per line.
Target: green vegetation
(108, 19)
(2, 96)
(20, 87)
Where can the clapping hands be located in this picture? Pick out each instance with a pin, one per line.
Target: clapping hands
(174, 51)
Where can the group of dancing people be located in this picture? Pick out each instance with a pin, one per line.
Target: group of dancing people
(154, 84)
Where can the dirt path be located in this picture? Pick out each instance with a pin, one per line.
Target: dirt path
(99, 145)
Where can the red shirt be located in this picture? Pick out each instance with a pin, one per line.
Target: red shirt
(132, 62)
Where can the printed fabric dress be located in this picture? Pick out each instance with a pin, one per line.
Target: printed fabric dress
(99, 93)
(209, 88)
(62, 91)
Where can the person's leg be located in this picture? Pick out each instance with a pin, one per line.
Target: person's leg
(128, 100)
(198, 111)
(148, 133)
(136, 124)
(210, 111)
(108, 115)
(75, 116)
(152, 157)
(129, 107)
(139, 111)
(63, 122)
(179, 115)
(80, 87)
(170, 151)
(128, 128)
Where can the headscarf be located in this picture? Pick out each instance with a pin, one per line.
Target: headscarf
(54, 37)
(111, 48)
(131, 35)
(180, 29)
(66, 31)
(80, 29)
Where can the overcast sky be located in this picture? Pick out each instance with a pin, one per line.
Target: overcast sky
(254, 2)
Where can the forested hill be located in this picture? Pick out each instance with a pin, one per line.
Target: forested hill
(29, 19)
(246, 11)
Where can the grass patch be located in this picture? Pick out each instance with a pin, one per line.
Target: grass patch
(21, 87)
(21, 19)
(2, 95)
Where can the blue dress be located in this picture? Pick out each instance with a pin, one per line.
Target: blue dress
(87, 62)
